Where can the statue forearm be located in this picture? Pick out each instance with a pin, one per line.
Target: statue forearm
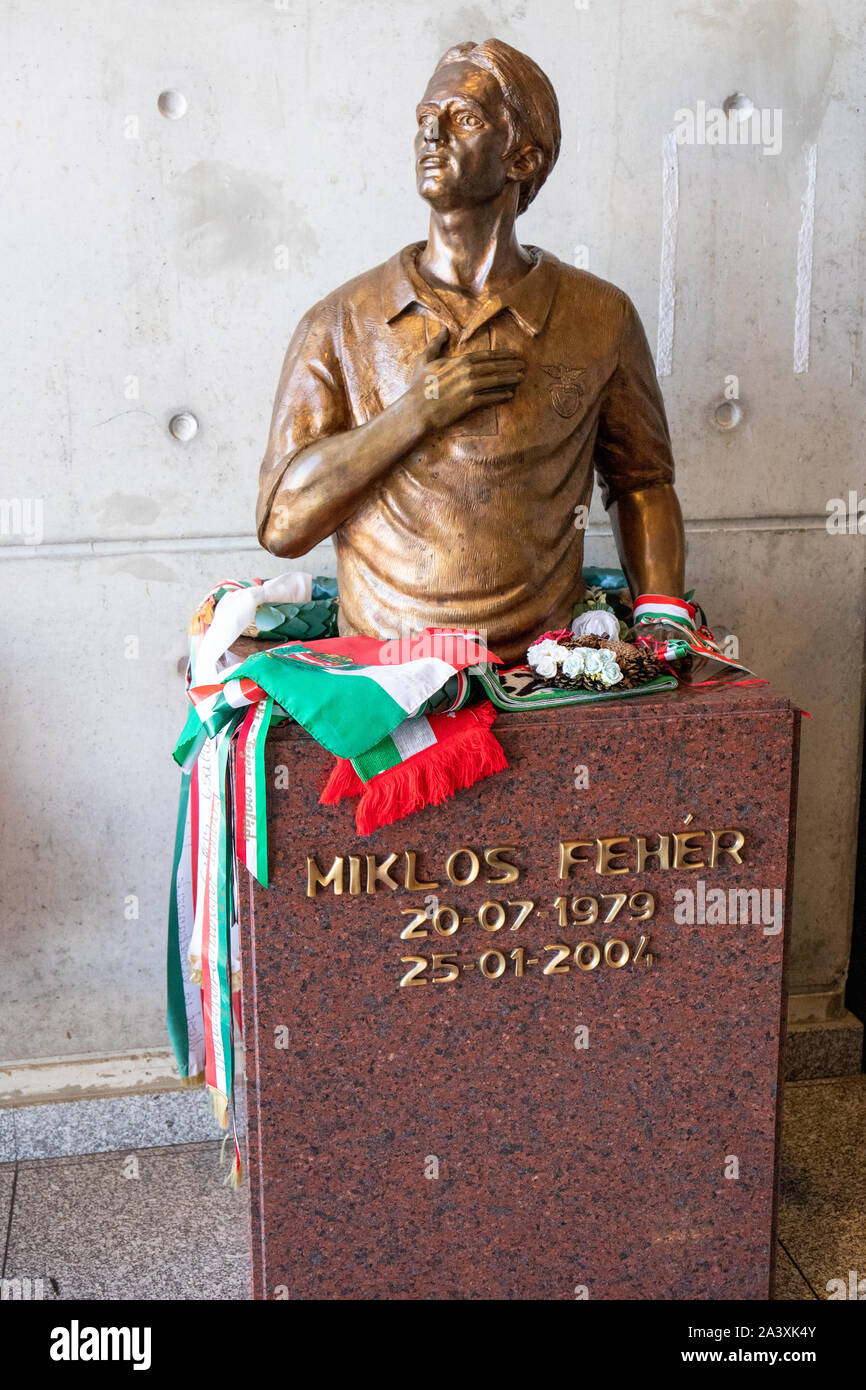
(648, 529)
(324, 483)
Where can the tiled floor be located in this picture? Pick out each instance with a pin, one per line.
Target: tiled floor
(154, 1223)
(822, 1197)
(160, 1223)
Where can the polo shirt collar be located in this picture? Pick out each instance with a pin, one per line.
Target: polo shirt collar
(528, 301)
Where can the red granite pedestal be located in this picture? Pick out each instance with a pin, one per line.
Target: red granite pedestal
(602, 1129)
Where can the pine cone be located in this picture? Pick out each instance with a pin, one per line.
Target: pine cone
(636, 662)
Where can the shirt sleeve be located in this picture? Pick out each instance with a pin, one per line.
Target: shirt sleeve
(633, 444)
(311, 401)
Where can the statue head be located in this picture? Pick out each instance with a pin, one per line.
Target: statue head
(489, 120)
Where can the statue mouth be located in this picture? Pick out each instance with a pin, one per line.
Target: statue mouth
(433, 161)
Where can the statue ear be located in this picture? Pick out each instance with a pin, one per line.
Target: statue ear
(525, 162)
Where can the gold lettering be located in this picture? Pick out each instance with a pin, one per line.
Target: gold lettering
(567, 856)
(662, 854)
(378, 873)
(475, 865)
(606, 852)
(413, 929)
(316, 879)
(412, 882)
(556, 966)
(622, 953)
(594, 955)
(354, 873)
(449, 965)
(411, 976)
(718, 848)
(682, 848)
(512, 873)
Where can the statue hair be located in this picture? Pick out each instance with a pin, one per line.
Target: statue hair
(530, 103)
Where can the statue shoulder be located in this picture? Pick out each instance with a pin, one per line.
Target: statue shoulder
(362, 292)
(595, 292)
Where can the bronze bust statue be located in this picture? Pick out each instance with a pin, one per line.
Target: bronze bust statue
(442, 414)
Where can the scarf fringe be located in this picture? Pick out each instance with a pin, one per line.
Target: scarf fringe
(187, 1083)
(235, 1175)
(485, 713)
(343, 781)
(220, 1107)
(426, 779)
(429, 778)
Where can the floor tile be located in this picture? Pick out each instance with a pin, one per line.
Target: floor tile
(7, 1136)
(822, 1193)
(153, 1223)
(7, 1185)
(113, 1122)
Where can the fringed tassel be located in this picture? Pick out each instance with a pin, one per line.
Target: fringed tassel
(202, 618)
(234, 1176)
(429, 778)
(343, 781)
(220, 1107)
(484, 713)
(188, 1082)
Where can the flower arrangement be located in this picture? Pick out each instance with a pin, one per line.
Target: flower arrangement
(590, 662)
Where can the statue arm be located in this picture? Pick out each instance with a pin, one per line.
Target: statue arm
(648, 530)
(316, 465)
(319, 464)
(320, 487)
(636, 470)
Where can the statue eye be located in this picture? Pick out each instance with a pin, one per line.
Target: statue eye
(467, 119)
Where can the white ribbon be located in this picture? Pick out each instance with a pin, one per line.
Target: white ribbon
(235, 611)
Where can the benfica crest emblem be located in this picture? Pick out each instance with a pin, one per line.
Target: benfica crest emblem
(565, 389)
(330, 660)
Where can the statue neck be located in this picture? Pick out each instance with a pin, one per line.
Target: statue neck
(474, 250)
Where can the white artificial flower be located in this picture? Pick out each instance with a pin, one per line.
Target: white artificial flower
(593, 661)
(549, 653)
(610, 674)
(540, 649)
(597, 623)
(573, 663)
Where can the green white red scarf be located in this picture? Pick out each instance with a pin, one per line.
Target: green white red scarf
(355, 695)
(689, 639)
(421, 763)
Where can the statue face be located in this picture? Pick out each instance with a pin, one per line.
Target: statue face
(462, 137)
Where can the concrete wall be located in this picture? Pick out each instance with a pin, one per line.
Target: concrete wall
(158, 264)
